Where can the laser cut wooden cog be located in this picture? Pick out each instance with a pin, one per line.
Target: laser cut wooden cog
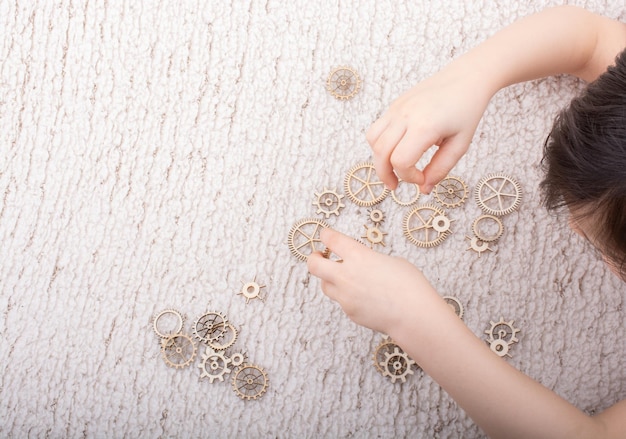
(304, 237)
(397, 365)
(455, 304)
(399, 194)
(501, 335)
(426, 226)
(250, 382)
(374, 235)
(209, 327)
(478, 246)
(214, 365)
(252, 290)
(343, 83)
(168, 322)
(498, 194)
(481, 226)
(363, 187)
(178, 350)
(328, 202)
(451, 192)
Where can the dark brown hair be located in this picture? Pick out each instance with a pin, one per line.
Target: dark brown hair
(585, 162)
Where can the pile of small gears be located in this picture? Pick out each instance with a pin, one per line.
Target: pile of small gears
(501, 335)
(215, 333)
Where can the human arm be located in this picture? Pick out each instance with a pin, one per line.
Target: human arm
(444, 110)
(392, 296)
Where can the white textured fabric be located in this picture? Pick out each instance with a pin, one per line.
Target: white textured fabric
(156, 154)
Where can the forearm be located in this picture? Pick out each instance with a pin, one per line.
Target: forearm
(500, 399)
(555, 41)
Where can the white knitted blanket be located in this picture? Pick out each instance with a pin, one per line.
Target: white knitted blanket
(155, 155)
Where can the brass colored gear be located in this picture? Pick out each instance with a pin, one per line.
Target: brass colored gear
(397, 365)
(398, 194)
(451, 192)
(425, 226)
(252, 290)
(486, 235)
(478, 246)
(304, 237)
(228, 338)
(374, 235)
(502, 330)
(209, 327)
(250, 382)
(343, 83)
(214, 365)
(455, 304)
(498, 194)
(178, 350)
(363, 187)
(172, 319)
(328, 202)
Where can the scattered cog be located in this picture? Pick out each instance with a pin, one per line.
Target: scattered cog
(455, 304)
(178, 350)
(227, 340)
(363, 187)
(498, 194)
(386, 346)
(167, 322)
(487, 228)
(451, 192)
(397, 365)
(426, 226)
(478, 246)
(214, 365)
(343, 83)
(500, 336)
(251, 291)
(328, 202)
(399, 194)
(376, 216)
(374, 235)
(250, 382)
(209, 327)
(304, 237)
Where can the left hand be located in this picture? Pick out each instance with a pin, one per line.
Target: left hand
(374, 290)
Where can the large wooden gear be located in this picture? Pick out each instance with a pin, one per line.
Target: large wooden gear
(363, 187)
(178, 350)
(304, 237)
(250, 382)
(426, 225)
(498, 194)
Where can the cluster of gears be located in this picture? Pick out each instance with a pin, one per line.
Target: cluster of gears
(215, 333)
(497, 195)
(501, 335)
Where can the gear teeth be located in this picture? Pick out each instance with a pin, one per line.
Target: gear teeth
(250, 382)
(217, 367)
(311, 241)
(178, 350)
(343, 83)
(498, 191)
(397, 365)
(427, 224)
(366, 182)
(328, 202)
(451, 192)
(179, 326)
(211, 318)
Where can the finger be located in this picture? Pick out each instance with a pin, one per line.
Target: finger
(442, 162)
(340, 244)
(329, 289)
(383, 149)
(408, 152)
(321, 267)
(376, 129)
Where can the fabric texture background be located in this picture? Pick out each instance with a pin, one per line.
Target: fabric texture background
(156, 154)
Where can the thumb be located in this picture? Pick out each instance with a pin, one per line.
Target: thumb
(442, 162)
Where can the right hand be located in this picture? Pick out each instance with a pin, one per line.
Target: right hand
(443, 110)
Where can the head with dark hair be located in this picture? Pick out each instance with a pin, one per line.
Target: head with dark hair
(585, 163)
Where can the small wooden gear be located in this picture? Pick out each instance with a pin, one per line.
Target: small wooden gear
(328, 202)
(451, 192)
(178, 350)
(374, 235)
(304, 237)
(455, 304)
(168, 322)
(252, 290)
(498, 194)
(250, 382)
(501, 335)
(400, 196)
(477, 245)
(487, 228)
(363, 187)
(343, 83)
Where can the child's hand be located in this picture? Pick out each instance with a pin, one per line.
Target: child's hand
(442, 110)
(373, 289)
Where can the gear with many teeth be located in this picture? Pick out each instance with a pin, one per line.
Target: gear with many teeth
(210, 327)
(397, 365)
(498, 194)
(399, 194)
(343, 83)
(363, 187)
(455, 304)
(451, 192)
(482, 225)
(250, 382)
(426, 225)
(178, 350)
(214, 365)
(304, 237)
(328, 202)
(227, 339)
(161, 319)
